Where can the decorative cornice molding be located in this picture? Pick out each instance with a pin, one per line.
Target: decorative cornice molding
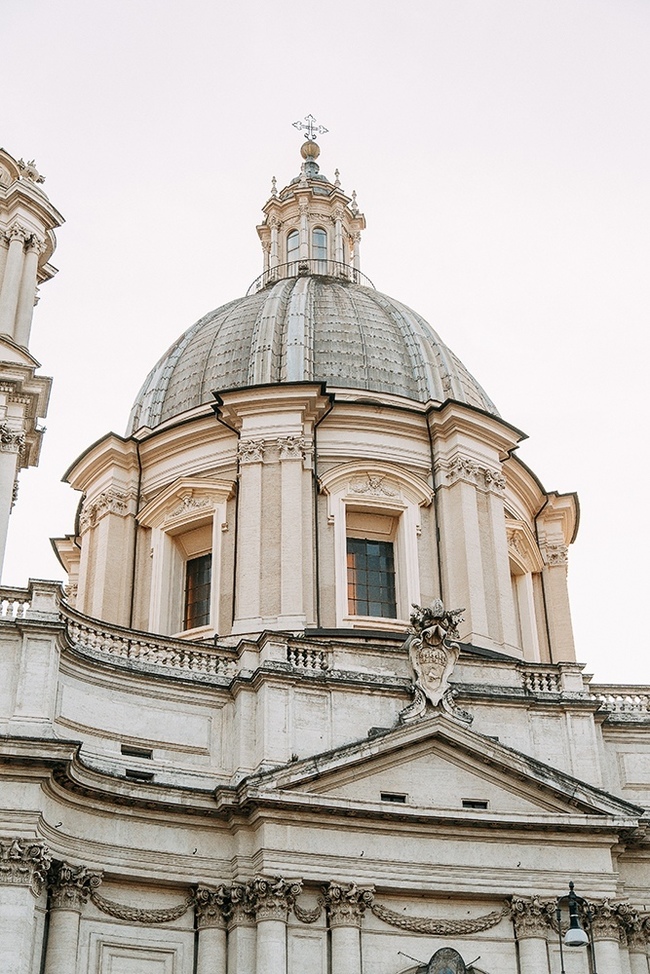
(24, 862)
(346, 903)
(71, 886)
(212, 906)
(461, 468)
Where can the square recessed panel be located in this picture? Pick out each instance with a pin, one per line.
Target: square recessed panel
(139, 951)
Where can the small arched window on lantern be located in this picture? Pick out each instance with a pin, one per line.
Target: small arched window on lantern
(293, 246)
(319, 249)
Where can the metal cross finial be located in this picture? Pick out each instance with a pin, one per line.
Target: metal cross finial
(310, 129)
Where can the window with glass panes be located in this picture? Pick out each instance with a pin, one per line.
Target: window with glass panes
(198, 575)
(293, 246)
(371, 578)
(319, 244)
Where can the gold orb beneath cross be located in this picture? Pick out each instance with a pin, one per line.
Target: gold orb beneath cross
(310, 150)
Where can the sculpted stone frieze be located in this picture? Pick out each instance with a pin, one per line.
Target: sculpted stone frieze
(134, 914)
(374, 485)
(24, 862)
(70, 886)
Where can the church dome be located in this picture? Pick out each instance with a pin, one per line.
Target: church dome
(312, 328)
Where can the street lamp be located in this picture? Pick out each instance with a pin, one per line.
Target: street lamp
(576, 936)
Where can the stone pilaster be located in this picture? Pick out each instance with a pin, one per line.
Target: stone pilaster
(346, 905)
(273, 898)
(531, 920)
(27, 293)
(212, 907)
(241, 930)
(70, 886)
(16, 235)
(606, 930)
(23, 870)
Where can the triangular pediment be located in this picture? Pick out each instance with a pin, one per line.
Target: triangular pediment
(438, 766)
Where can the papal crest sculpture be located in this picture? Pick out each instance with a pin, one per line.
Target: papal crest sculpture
(433, 655)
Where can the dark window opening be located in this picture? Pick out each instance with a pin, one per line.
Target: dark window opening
(391, 796)
(137, 752)
(474, 803)
(136, 775)
(198, 574)
(371, 578)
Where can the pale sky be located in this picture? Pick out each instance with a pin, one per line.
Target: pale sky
(500, 150)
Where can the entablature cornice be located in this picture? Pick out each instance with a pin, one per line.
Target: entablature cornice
(453, 419)
(111, 457)
(270, 408)
(558, 521)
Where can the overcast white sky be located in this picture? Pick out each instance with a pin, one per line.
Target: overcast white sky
(501, 153)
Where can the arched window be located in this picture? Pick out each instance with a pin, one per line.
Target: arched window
(319, 244)
(293, 245)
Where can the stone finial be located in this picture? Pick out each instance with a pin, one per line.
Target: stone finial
(531, 916)
(70, 886)
(273, 897)
(29, 171)
(24, 862)
(346, 904)
(212, 905)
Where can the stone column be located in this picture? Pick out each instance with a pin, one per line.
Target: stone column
(211, 907)
(70, 888)
(356, 258)
(636, 937)
(11, 443)
(241, 931)
(27, 292)
(272, 898)
(531, 922)
(16, 235)
(605, 929)
(23, 869)
(275, 227)
(304, 229)
(338, 235)
(345, 905)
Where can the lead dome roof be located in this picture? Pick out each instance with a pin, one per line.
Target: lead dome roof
(312, 329)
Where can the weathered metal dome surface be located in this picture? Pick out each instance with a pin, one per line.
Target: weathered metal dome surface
(306, 329)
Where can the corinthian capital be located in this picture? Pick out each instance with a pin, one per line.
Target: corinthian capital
(212, 906)
(531, 917)
(11, 440)
(273, 897)
(36, 245)
(605, 921)
(17, 232)
(346, 903)
(70, 886)
(24, 862)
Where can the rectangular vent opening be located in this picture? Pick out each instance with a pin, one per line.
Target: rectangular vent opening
(136, 775)
(391, 796)
(474, 803)
(130, 750)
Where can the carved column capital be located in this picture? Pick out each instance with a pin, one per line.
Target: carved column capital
(554, 553)
(273, 898)
(346, 903)
(11, 440)
(605, 922)
(241, 907)
(111, 501)
(250, 451)
(36, 245)
(461, 468)
(212, 906)
(291, 447)
(24, 862)
(531, 916)
(70, 886)
(17, 232)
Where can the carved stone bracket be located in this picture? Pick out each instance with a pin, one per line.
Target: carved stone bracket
(70, 886)
(346, 904)
(24, 862)
(273, 898)
(212, 906)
